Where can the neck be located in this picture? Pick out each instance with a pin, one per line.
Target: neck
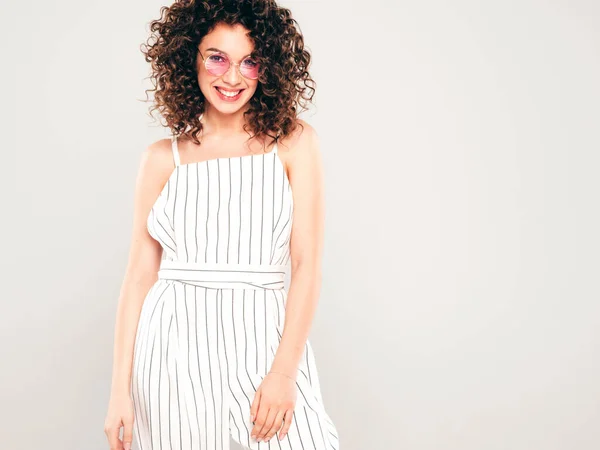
(215, 122)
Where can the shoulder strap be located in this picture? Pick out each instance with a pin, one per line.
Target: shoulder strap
(175, 150)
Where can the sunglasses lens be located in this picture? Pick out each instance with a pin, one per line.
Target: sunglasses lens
(249, 68)
(217, 64)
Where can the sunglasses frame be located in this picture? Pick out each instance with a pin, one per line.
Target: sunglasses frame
(230, 64)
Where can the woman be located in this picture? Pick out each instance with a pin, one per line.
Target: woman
(208, 343)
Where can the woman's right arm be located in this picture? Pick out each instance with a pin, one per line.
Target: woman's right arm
(141, 273)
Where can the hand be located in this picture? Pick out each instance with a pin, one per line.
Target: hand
(273, 403)
(120, 413)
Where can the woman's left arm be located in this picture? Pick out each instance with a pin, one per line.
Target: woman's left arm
(306, 244)
(275, 398)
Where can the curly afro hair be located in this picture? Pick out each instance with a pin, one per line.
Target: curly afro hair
(284, 85)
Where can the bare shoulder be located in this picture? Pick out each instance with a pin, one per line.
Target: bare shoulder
(303, 136)
(302, 154)
(157, 158)
(159, 154)
(156, 165)
(302, 143)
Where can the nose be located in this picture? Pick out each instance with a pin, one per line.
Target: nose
(232, 76)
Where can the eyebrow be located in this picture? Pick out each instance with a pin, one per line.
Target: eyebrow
(221, 51)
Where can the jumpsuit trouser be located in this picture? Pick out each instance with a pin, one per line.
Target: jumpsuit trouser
(206, 338)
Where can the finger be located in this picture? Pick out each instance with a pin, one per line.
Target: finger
(261, 416)
(268, 423)
(112, 433)
(127, 435)
(277, 424)
(255, 404)
(287, 422)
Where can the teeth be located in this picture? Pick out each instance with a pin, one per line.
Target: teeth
(229, 93)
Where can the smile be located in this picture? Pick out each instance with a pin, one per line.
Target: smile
(228, 95)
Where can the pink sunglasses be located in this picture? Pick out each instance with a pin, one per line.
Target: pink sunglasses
(218, 64)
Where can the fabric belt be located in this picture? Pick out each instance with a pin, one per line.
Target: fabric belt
(224, 276)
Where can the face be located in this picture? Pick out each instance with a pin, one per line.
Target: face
(227, 42)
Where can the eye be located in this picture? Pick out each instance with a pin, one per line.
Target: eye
(249, 62)
(217, 58)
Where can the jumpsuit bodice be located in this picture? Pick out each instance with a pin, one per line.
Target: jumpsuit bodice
(226, 214)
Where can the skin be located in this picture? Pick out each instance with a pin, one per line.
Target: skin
(275, 398)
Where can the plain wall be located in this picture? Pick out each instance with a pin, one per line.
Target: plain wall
(460, 302)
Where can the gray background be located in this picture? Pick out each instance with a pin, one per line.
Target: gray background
(460, 301)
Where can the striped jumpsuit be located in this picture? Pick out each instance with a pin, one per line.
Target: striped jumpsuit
(211, 324)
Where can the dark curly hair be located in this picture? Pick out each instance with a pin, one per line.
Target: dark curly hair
(285, 87)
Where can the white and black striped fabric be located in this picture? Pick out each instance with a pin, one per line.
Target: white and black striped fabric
(210, 325)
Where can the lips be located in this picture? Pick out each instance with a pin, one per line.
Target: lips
(228, 92)
(228, 95)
